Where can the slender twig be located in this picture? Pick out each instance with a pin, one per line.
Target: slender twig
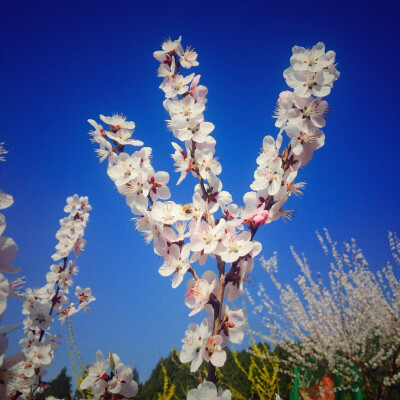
(193, 272)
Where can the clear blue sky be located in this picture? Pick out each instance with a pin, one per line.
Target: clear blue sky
(66, 61)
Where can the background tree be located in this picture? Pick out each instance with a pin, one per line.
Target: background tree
(60, 387)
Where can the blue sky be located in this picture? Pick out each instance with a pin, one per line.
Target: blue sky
(64, 62)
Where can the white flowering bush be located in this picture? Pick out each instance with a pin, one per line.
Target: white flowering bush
(351, 326)
(211, 227)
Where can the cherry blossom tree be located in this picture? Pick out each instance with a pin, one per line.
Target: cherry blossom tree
(211, 226)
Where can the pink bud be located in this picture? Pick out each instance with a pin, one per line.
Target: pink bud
(260, 217)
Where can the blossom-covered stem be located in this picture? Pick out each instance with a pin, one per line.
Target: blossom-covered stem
(54, 299)
(221, 290)
(205, 197)
(202, 186)
(217, 307)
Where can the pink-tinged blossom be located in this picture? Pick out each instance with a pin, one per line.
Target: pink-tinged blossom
(96, 374)
(106, 150)
(236, 246)
(276, 210)
(122, 383)
(167, 68)
(73, 205)
(306, 83)
(304, 141)
(252, 204)
(176, 262)
(126, 169)
(136, 190)
(158, 184)
(123, 137)
(152, 230)
(269, 178)
(284, 109)
(310, 110)
(208, 165)
(293, 188)
(182, 162)
(39, 354)
(117, 122)
(168, 47)
(314, 59)
(199, 92)
(40, 316)
(25, 369)
(76, 204)
(199, 291)
(71, 227)
(176, 85)
(198, 207)
(207, 238)
(31, 301)
(79, 246)
(195, 129)
(168, 212)
(67, 312)
(231, 214)
(145, 155)
(232, 321)
(194, 344)
(181, 110)
(179, 233)
(270, 150)
(213, 352)
(215, 195)
(64, 246)
(84, 296)
(187, 59)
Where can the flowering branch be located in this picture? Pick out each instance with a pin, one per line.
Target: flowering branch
(23, 371)
(211, 225)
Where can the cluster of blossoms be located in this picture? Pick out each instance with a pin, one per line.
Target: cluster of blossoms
(300, 115)
(116, 384)
(70, 234)
(351, 327)
(21, 374)
(211, 225)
